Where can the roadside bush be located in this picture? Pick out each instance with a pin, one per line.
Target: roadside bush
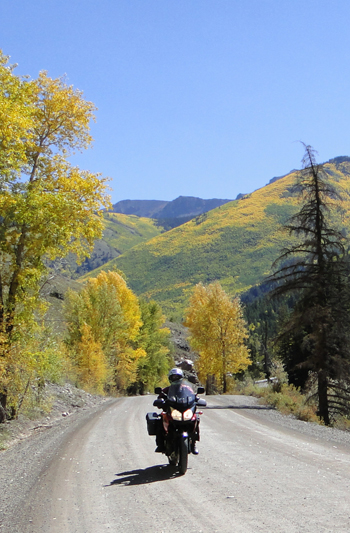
(342, 422)
(246, 387)
(289, 400)
(27, 368)
(285, 398)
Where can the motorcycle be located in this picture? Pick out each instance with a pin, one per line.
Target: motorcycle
(179, 421)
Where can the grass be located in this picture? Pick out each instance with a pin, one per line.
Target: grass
(4, 437)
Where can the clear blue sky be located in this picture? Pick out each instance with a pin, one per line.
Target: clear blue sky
(195, 97)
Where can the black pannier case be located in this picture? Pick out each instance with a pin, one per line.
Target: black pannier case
(152, 422)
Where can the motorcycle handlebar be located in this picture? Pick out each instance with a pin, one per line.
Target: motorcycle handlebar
(159, 402)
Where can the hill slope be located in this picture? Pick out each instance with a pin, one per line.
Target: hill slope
(121, 232)
(235, 243)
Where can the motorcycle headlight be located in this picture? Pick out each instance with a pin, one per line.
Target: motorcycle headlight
(188, 415)
(176, 415)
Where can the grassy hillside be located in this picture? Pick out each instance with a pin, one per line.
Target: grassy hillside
(235, 243)
(121, 233)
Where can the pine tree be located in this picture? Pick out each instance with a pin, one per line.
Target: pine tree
(315, 336)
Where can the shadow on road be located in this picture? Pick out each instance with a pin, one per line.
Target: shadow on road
(256, 407)
(143, 476)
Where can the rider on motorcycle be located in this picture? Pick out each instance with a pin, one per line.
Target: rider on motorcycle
(175, 374)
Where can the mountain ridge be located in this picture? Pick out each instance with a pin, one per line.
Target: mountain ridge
(181, 207)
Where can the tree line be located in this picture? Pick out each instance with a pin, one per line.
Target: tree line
(115, 342)
(48, 209)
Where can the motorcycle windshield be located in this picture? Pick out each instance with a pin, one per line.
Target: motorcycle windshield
(181, 394)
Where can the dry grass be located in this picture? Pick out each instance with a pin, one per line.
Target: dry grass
(285, 398)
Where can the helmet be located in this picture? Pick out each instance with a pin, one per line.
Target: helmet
(175, 374)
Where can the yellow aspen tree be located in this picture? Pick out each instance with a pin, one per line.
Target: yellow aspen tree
(127, 365)
(111, 310)
(217, 333)
(48, 207)
(92, 363)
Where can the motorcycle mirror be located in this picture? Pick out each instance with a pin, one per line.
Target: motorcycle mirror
(157, 390)
(200, 390)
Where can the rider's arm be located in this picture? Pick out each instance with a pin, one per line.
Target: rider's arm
(164, 394)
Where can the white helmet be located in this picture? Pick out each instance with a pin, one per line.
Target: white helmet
(175, 374)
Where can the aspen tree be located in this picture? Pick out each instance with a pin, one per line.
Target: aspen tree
(48, 207)
(112, 313)
(217, 332)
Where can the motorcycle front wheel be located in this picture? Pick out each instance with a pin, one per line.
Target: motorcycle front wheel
(183, 456)
(173, 459)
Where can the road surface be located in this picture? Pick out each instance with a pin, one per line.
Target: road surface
(257, 471)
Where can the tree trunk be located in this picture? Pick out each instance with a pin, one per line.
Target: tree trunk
(323, 407)
(3, 398)
(3, 394)
(224, 381)
(209, 388)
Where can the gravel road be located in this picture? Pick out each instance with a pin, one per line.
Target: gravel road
(257, 471)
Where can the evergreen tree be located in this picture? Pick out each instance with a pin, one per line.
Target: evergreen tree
(315, 337)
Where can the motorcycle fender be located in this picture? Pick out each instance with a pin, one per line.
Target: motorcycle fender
(186, 439)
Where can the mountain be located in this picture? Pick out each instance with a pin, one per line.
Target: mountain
(135, 223)
(140, 208)
(169, 214)
(235, 243)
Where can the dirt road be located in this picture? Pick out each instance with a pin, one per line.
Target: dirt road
(257, 471)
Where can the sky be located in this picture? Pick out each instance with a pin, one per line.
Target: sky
(205, 98)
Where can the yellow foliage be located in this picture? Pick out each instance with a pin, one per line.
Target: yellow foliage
(106, 312)
(15, 118)
(48, 207)
(217, 332)
(126, 369)
(91, 362)
(127, 299)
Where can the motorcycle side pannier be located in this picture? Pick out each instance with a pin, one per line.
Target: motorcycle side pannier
(152, 422)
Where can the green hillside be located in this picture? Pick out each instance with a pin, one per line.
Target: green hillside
(121, 233)
(235, 243)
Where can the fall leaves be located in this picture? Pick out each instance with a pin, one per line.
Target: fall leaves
(217, 332)
(48, 208)
(103, 321)
(113, 340)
